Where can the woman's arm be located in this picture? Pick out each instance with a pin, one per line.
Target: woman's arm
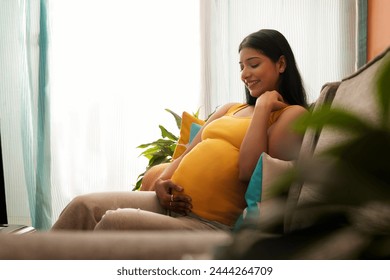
(276, 140)
(283, 142)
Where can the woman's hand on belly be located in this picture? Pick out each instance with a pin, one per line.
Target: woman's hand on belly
(177, 202)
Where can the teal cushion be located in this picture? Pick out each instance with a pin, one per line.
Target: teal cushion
(194, 129)
(267, 172)
(253, 194)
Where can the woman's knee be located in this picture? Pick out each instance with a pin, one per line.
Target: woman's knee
(81, 202)
(120, 219)
(85, 206)
(78, 214)
(135, 219)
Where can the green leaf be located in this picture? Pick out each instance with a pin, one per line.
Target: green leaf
(137, 185)
(326, 116)
(144, 146)
(159, 142)
(211, 114)
(158, 160)
(150, 151)
(166, 134)
(172, 148)
(139, 181)
(367, 153)
(383, 88)
(164, 142)
(176, 116)
(196, 114)
(167, 151)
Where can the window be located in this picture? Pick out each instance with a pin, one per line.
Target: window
(115, 66)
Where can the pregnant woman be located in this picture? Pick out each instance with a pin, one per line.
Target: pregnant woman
(204, 188)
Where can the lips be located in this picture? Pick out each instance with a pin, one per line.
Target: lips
(250, 84)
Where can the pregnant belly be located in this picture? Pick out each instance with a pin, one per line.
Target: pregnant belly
(209, 175)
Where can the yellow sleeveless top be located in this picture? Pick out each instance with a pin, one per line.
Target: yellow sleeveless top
(209, 172)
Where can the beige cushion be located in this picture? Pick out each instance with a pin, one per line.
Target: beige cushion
(273, 169)
(272, 206)
(267, 196)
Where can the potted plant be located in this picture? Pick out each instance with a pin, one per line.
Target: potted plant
(162, 149)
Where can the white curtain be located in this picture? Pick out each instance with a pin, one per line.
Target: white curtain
(115, 66)
(321, 33)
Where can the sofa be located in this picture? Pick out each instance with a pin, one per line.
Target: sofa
(282, 231)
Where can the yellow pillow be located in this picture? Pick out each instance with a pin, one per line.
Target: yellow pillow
(186, 121)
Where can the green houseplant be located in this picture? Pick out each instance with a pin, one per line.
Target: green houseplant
(161, 150)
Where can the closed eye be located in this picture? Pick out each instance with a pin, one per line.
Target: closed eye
(251, 66)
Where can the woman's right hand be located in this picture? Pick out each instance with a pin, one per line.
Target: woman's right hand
(272, 100)
(179, 203)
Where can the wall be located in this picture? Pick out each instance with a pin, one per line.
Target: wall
(378, 27)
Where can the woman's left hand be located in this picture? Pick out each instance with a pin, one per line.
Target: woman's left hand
(179, 203)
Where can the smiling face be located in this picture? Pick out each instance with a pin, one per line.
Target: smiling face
(258, 72)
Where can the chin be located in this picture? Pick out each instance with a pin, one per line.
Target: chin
(255, 94)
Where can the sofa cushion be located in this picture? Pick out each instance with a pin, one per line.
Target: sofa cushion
(185, 133)
(354, 94)
(261, 189)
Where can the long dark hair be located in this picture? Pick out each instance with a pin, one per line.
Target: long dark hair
(273, 44)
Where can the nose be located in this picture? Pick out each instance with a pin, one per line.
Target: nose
(245, 73)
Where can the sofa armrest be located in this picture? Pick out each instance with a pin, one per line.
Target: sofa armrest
(140, 245)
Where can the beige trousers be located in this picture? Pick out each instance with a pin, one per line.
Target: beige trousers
(139, 210)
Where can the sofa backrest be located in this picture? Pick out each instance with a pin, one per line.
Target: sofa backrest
(311, 136)
(355, 94)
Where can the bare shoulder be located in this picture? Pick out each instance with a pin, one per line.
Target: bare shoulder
(284, 141)
(222, 110)
(288, 116)
(292, 112)
(296, 109)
